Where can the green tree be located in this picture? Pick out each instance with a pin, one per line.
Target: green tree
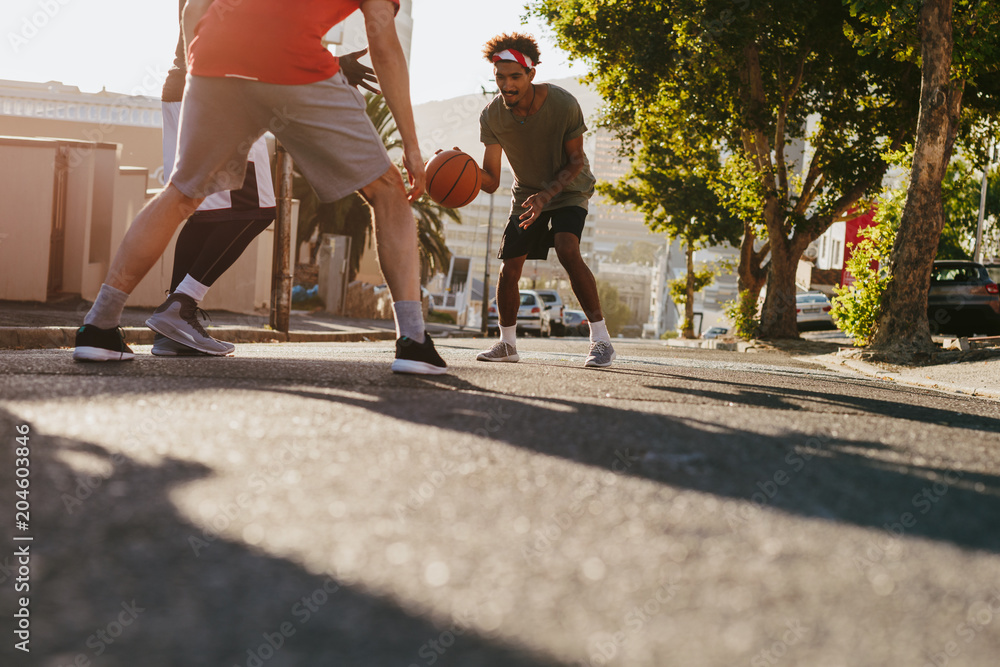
(616, 314)
(752, 78)
(858, 306)
(351, 216)
(957, 45)
(682, 291)
(668, 182)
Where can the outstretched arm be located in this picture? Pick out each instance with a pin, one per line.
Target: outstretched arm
(390, 67)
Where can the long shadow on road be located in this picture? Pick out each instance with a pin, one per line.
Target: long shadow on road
(119, 578)
(772, 451)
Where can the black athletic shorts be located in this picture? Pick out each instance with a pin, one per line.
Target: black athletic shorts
(536, 240)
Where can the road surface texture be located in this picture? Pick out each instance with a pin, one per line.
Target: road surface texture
(299, 505)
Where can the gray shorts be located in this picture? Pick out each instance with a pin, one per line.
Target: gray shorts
(323, 126)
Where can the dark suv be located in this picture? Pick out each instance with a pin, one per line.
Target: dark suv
(963, 300)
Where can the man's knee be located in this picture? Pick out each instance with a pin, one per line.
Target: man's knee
(185, 204)
(390, 183)
(569, 256)
(511, 270)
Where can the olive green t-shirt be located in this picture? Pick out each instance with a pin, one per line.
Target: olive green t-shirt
(535, 148)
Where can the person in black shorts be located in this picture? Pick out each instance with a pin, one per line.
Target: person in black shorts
(540, 127)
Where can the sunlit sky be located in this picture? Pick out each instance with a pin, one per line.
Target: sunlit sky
(126, 46)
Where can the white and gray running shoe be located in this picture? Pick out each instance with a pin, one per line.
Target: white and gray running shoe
(164, 347)
(500, 351)
(177, 319)
(601, 355)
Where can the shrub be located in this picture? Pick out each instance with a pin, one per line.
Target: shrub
(744, 315)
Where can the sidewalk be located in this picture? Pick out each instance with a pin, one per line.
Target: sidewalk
(973, 372)
(52, 325)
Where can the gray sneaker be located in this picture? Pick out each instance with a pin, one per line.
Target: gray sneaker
(164, 347)
(601, 355)
(500, 351)
(177, 319)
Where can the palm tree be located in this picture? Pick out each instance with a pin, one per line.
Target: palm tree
(351, 216)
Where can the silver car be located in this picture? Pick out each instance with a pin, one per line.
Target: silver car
(812, 309)
(532, 315)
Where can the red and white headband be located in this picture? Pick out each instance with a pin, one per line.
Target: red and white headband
(515, 56)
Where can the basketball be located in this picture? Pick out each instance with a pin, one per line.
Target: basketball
(452, 178)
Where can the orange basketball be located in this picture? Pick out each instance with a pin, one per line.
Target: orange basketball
(452, 178)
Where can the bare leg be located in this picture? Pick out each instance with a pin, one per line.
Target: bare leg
(395, 235)
(148, 237)
(580, 276)
(508, 295)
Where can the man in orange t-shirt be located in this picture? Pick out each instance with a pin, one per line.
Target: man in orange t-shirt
(290, 85)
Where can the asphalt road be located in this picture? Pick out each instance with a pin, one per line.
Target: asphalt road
(300, 505)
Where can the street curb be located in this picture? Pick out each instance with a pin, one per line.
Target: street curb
(710, 344)
(41, 338)
(36, 338)
(870, 370)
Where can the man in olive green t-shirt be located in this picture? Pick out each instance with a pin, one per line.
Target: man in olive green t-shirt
(540, 127)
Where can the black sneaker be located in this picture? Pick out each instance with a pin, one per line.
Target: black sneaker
(418, 358)
(94, 344)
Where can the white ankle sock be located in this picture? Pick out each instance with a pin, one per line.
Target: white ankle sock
(106, 313)
(509, 335)
(599, 331)
(193, 288)
(409, 320)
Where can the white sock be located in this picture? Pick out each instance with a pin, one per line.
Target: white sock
(599, 331)
(193, 288)
(106, 313)
(509, 335)
(409, 320)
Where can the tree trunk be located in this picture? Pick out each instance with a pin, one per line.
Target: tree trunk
(689, 292)
(777, 317)
(903, 333)
(750, 275)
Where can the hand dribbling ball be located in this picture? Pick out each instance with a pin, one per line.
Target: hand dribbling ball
(452, 178)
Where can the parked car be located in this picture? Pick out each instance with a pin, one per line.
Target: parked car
(575, 323)
(532, 315)
(963, 300)
(715, 332)
(812, 310)
(556, 308)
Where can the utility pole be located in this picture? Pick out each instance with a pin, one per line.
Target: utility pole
(281, 275)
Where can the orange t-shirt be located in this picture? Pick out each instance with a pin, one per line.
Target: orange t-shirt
(274, 41)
